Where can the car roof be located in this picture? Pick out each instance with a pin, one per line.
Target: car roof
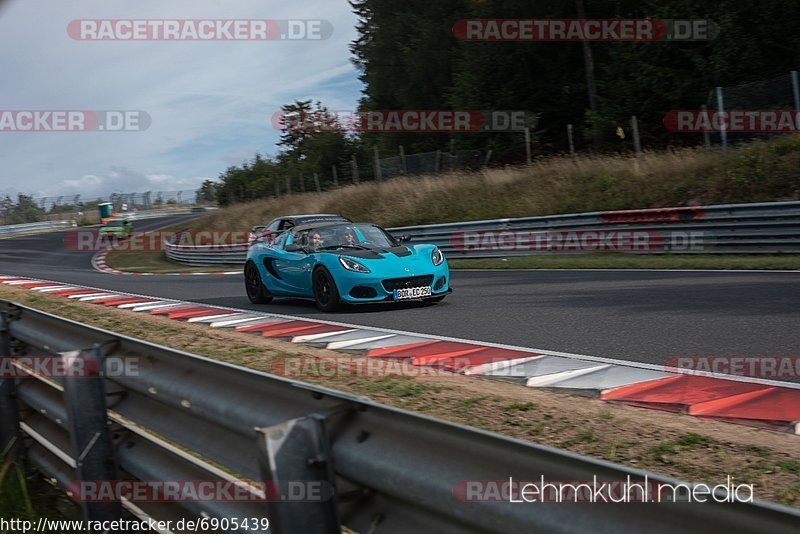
(311, 215)
(312, 226)
(311, 218)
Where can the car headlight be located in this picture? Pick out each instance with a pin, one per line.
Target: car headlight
(352, 265)
(437, 257)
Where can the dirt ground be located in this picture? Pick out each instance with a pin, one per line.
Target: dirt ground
(676, 445)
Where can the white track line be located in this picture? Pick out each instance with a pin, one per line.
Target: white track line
(599, 359)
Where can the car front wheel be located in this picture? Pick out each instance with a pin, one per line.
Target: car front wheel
(256, 291)
(326, 295)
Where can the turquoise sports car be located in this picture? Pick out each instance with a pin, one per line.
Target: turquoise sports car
(342, 262)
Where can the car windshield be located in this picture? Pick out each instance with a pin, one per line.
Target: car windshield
(349, 235)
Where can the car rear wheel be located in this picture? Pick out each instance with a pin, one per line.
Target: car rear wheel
(256, 291)
(326, 295)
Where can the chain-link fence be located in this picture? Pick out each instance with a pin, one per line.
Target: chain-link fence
(358, 170)
(152, 199)
(780, 93)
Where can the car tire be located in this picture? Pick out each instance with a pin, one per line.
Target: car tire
(326, 295)
(253, 285)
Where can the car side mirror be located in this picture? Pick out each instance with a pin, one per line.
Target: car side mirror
(294, 248)
(404, 239)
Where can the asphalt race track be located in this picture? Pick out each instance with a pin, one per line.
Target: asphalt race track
(631, 315)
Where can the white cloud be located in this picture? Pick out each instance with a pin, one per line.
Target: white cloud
(210, 102)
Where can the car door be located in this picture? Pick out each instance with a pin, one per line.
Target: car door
(294, 268)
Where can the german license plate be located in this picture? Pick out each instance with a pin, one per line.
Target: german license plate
(412, 293)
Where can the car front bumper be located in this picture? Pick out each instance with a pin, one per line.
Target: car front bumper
(365, 289)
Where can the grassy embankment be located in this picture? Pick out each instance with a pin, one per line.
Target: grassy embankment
(757, 172)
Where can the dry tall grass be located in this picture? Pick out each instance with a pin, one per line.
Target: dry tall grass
(759, 171)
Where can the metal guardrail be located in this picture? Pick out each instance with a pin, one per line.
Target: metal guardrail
(761, 228)
(50, 226)
(182, 417)
(152, 214)
(31, 228)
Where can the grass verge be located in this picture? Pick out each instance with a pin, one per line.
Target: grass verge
(157, 262)
(756, 172)
(26, 495)
(674, 445)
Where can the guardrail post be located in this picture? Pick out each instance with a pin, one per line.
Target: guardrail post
(85, 399)
(723, 131)
(9, 411)
(296, 460)
(354, 169)
(378, 170)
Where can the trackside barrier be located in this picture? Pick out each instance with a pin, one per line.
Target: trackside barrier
(32, 228)
(152, 214)
(183, 417)
(52, 226)
(763, 228)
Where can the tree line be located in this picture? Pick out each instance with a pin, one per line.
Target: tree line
(409, 58)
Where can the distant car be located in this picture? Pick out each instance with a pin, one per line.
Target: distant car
(343, 262)
(117, 229)
(268, 232)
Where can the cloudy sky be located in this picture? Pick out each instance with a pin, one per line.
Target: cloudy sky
(210, 102)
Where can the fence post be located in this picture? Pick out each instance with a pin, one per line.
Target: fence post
(570, 140)
(299, 452)
(354, 169)
(9, 411)
(316, 182)
(528, 146)
(637, 143)
(335, 176)
(378, 173)
(85, 399)
(796, 90)
(438, 164)
(723, 131)
(277, 189)
(302, 183)
(403, 167)
(488, 157)
(706, 136)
